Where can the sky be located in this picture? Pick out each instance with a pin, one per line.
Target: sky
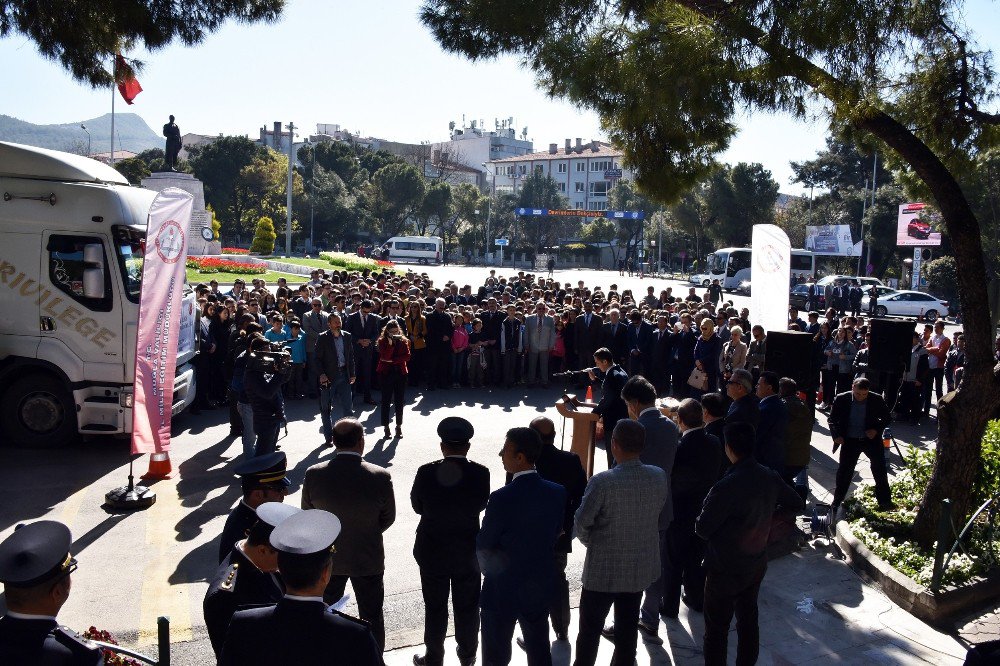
(370, 67)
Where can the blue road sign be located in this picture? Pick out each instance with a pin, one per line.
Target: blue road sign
(625, 215)
(501, 242)
(612, 174)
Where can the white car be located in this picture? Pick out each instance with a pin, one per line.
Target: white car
(911, 304)
(700, 279)
(882, 293)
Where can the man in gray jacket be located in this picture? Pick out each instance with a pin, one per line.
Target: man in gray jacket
(618, 523)
(539, 338)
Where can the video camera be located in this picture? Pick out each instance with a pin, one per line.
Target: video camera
(276, 360)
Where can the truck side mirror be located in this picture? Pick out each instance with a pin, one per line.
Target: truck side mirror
(93, 274)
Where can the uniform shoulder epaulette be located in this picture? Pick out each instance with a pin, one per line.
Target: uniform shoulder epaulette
(355, 620)
(74, 642)
(229, 580)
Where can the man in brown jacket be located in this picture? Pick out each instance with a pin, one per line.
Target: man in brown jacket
(361, 495)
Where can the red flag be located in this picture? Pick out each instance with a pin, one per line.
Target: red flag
(128, 85)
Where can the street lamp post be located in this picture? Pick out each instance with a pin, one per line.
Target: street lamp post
(312, 192)
(288, 217)
(489, 211)
(84, 128)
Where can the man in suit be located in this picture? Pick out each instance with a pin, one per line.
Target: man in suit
(735, 521)
(301, 628)
(618, 523)
(640, 345)
(516, 550)
(663, 351)
(539, 338)
(772, 427)
(611, 408)
(614, 336)
(744, 407)
(588, 327)
(35, 569)
(439, 328)
(713, 411)
(246, 577)
(696, 469)
(394, 313)
(659, 450)
(857, 419)
(448, 495)
(262, 480)
(313, 325)
(492, 318)
(337, 373)
(564, 468)
(363, 327)
(362, 494)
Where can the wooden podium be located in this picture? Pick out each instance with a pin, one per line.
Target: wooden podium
(584, 434)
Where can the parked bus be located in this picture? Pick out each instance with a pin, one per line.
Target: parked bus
(731, 266)
(422, 249)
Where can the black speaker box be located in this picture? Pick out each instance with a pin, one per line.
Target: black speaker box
(892, 341)
(789, 354)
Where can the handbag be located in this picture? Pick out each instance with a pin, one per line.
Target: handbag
(698, 379)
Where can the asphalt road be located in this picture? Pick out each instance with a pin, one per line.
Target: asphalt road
(135, 567)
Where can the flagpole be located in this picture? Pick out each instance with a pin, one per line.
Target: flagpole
(114, 76)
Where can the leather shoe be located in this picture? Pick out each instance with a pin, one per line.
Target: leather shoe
(419, 660)
(650, 634)
(609, 632)
(520, 643)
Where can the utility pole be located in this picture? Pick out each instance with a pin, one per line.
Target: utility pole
(291, 160)
(312, 193)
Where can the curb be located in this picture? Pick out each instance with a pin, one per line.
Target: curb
(935, 609)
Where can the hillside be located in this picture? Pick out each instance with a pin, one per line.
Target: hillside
(133, 134)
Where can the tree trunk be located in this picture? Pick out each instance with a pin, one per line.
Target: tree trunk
(961, 419)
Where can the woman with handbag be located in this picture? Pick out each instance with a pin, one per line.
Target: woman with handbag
(707, 351)
(393, 354)
(734, 353)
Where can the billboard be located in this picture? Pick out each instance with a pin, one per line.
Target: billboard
(831, 240)
(914, 228)
(771, 257)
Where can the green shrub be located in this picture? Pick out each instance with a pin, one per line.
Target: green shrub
(263, 237)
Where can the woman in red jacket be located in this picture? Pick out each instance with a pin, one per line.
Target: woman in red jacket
(393, 355)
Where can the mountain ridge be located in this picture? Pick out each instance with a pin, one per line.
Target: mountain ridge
(132, 134)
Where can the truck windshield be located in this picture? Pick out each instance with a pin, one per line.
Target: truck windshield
(129, 250)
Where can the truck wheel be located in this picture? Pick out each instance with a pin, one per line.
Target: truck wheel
(38, 413)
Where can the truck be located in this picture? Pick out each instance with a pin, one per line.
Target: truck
(72, 237)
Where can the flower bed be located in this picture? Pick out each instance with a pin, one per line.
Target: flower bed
(889, 534)
(214, 265)
(234, 250)
(352, 262)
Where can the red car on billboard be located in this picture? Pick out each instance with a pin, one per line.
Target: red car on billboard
(917, 228)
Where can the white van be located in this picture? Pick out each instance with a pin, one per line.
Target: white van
(422, 249)
(72, 232)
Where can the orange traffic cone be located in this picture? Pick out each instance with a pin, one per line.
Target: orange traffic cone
(590, 394)
(159, 466)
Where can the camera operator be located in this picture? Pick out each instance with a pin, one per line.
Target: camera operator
(267, 370)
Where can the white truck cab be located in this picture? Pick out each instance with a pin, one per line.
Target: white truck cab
(72, 233)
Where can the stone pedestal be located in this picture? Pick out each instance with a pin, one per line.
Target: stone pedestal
(200, 218)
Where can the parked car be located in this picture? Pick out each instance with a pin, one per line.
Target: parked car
(744, 288)
(700, 279)
(865, 281)
(911, 304)
(882, 293)
(798, 297)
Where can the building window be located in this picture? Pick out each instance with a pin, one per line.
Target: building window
(581, 166)
(562, 167)
(597, 205)
(539, 169)
(601, 165)
(577, 205)
(579, 187)
(562, 187)
(599, 188)
(523, 169)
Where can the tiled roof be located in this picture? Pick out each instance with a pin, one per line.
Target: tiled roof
(603, 150)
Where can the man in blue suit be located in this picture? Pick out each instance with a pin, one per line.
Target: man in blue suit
(772, 428)
(640, 345)
(516, 549)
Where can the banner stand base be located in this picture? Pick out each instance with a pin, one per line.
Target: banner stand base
(130, 497)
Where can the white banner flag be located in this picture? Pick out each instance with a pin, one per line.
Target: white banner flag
(769, 276)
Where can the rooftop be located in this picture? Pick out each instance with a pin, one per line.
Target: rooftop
(584, 150)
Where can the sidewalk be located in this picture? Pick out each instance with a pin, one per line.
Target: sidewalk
(813, 609)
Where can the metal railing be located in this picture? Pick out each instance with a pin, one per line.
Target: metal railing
(946, 529)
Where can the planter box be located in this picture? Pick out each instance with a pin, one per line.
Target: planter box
(934, 608)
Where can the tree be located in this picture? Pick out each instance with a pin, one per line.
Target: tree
(667, 79)
(435, 208)
(81, 40)
(602, 230)
(335, 156)
(133, 168)
(219, 165)
(540, 191)
(331, 204)
(840, 166)
(260, 190)
(625, 196)
(263, 237)
(391, 197)
(740, 197)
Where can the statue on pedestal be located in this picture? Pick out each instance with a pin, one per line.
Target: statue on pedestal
(173, 134)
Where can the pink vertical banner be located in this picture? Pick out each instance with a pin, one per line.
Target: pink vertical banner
(160, 298)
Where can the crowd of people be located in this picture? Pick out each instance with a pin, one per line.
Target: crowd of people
(683, 513)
